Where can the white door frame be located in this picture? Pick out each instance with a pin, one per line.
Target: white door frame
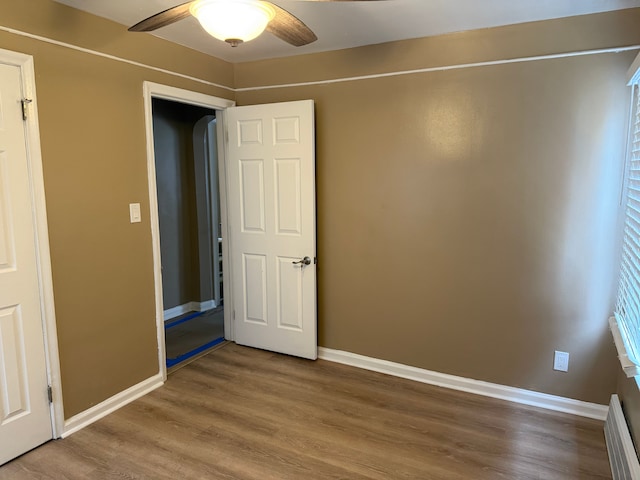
(43, 256)
(156, 90)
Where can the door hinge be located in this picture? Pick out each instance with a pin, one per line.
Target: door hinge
(25, 103)
(233, 315)
(50, 394)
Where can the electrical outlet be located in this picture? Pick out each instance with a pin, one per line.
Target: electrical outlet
(561, 361)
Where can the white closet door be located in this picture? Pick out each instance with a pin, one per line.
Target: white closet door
(25, 418)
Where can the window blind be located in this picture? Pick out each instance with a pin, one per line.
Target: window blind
(627, 312)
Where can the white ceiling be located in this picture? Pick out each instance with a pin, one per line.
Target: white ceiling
(341, 25)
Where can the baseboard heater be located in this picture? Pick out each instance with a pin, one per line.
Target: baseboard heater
(622, 454)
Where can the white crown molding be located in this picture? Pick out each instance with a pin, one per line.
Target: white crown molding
(110, 57)
(322, 82)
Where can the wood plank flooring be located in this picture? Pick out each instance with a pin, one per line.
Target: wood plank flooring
(240, 413)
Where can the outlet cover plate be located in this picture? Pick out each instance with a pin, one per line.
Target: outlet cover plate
(561, 361)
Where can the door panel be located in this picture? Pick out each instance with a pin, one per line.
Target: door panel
(13, 371)
(271, 196)
(252, 196)
(289, 294)
(255, 288)
(288, 202)
(25, 418)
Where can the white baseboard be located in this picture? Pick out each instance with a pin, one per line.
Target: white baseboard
(188, 307)
(83, 419)
(517, 395)
(204, 306)
(176, 311)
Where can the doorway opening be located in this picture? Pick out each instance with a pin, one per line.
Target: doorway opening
(274, 184)
(219, 105)
(188, 195)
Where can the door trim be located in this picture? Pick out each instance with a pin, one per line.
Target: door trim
(43, 254)
(156, 90)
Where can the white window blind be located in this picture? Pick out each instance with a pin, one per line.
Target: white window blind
(627, 314)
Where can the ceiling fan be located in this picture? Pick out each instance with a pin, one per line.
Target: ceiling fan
(237, 21)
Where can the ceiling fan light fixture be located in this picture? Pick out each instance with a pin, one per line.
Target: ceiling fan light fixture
(233, 21)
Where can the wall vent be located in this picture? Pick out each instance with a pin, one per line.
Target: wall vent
(622, 454)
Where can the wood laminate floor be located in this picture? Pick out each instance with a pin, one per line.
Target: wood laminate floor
(239, 413)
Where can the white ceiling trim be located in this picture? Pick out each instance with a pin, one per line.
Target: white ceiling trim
(111, 57)
(445, 67)
(318, 82)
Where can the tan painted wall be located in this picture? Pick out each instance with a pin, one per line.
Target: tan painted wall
(466, 217)
(93, 146)
(461, 214)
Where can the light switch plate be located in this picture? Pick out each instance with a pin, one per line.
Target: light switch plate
(561, 361)
(134, 213)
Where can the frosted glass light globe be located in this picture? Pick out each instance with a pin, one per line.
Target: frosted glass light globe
(233, 21)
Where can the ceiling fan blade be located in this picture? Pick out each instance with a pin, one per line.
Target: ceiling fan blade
(289, 28)
(162, 19)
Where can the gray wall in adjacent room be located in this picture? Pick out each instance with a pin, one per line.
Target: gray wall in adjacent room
(173, 142)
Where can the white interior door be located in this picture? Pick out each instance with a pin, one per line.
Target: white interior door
(271, 202)
(25, 417)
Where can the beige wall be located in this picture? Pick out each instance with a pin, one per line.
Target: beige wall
(466, 217)
(463, 215)
(93, 147)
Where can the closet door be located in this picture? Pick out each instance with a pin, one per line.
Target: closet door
(25, 417)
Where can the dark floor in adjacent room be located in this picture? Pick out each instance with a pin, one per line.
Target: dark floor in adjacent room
(192, 333)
